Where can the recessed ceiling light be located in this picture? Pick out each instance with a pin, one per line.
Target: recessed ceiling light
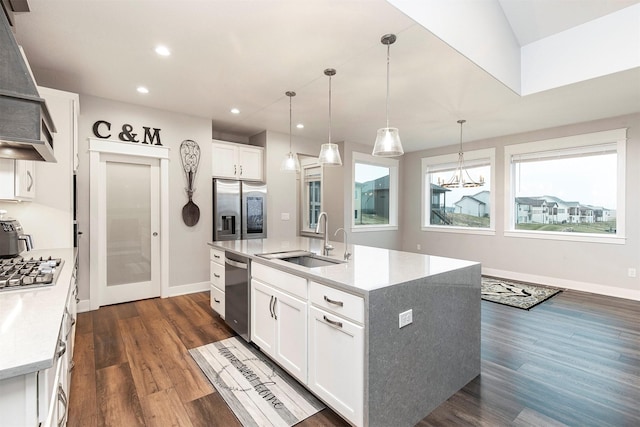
(300, 126)
(163, 50)
(235, 111)
(142, 89)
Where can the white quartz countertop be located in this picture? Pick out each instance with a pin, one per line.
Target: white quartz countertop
(30, 320)
(368, 268)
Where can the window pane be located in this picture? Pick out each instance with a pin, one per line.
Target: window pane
(371, 198)
(312, 198)
(566, 194)
(460, 207)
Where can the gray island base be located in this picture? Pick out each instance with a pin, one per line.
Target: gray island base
(410, 371)
(407, 371)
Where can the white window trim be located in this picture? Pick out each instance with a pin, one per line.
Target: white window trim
(393, 165)
(309, 163)
(619, 136)
(429, 163)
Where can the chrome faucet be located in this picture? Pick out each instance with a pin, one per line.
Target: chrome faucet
(346, 243)
(327, 247)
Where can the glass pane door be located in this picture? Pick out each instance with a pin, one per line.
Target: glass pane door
(128, 213)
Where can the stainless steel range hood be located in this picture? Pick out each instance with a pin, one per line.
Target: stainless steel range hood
(26, 127)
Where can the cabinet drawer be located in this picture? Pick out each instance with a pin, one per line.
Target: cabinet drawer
(216, 275)
(216, 255)
(337, 301)
(217, 301)
(295, 285)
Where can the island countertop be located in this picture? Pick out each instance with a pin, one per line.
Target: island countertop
(368, 269)
(30, 320)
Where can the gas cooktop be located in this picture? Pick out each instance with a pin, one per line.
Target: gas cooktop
(20, 273)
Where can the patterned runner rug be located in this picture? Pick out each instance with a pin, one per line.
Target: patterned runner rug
(515, 294)
(259, 392)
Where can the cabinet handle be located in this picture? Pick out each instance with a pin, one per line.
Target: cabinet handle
(216, 300)
(30, 185)
(332, 322)
(330, 301)
(275, 300)
(62, 398)
(235, 169)
(217, 276)
(216, 256)
(62, 348)
(240, 170)
(271, 307)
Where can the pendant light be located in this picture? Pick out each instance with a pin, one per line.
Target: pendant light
(461, 177)
(388, 139)
(290, 162)
(329, 153)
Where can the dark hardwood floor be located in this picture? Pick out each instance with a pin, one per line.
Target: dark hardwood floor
(573, 360)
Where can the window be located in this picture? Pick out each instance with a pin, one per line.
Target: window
(311, 192)
(458, 209)
(569, 188)
(375, 193)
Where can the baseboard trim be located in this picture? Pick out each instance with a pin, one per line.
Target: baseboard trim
(173, 291)
(190, 288)
(594, 288)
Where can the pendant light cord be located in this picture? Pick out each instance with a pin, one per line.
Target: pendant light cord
(388, 48)
(329, 108)
(290, 123)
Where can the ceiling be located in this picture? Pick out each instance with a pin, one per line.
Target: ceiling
(246, 54)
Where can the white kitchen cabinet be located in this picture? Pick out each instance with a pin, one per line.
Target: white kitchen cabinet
(216, 277)
(64, 108)
(336, 349)
(237, 161)
(336, 360)
(279, 327)
(17, 179)
(41, 398)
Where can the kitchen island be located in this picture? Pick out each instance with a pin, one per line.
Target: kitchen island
(407, 371)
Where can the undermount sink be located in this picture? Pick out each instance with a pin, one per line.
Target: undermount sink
(302, 258)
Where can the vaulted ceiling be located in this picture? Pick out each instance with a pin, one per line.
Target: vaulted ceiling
(246, 54)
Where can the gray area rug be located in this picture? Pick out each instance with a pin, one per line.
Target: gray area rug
(259, 392)
(515, 294)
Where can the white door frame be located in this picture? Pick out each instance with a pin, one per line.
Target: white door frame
(96, 211)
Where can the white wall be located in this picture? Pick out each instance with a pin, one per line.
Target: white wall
(591, 267)
(188, 250)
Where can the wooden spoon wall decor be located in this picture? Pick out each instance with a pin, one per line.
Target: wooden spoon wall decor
(190, 158)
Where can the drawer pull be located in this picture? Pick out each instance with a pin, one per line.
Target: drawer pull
(216, 256)
(217, 276)
(62, 398)
(216, 300)
(62, 349)
(330, 301)
(332, 322)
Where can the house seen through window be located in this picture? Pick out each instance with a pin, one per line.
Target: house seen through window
(375, 192)
(461, 208)
(566, 190)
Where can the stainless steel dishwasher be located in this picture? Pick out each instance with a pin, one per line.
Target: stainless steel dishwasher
(237, 289)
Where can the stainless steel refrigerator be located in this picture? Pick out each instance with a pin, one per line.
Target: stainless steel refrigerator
(239, 210)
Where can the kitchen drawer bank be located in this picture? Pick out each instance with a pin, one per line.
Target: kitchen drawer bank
(399, 374)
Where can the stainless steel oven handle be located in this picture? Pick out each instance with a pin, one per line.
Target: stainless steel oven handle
(236, 264)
